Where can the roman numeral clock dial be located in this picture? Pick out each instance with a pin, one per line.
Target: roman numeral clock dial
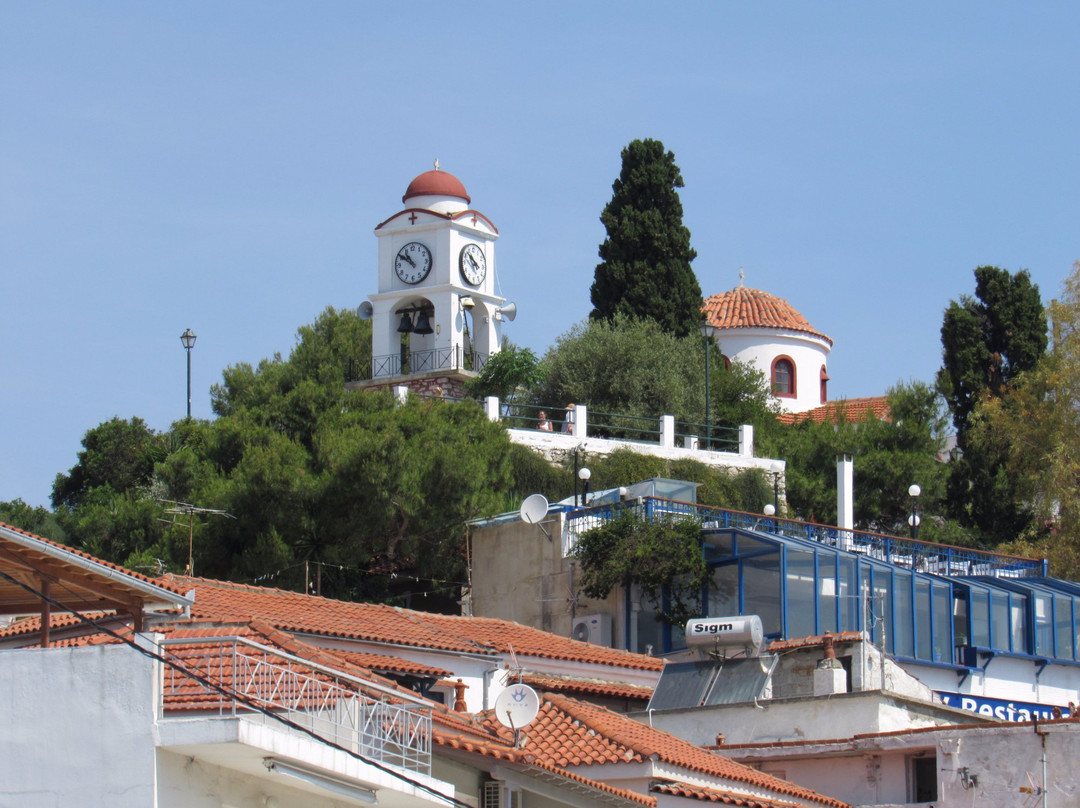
(412, 262)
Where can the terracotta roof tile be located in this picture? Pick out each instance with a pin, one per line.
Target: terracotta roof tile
(297, 612)
(751, 308)
(717, 796)
(592, 687)
(850, 410)
(502, 635)
(777, 646)
(568, 732)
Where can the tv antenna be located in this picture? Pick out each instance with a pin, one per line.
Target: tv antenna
(178, 508)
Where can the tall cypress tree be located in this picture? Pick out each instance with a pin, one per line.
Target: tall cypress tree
(987, 340)
(645, 271)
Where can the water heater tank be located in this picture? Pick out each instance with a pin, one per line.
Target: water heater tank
(725, 632)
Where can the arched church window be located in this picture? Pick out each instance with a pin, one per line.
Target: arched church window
(824, 385)
(783, 377)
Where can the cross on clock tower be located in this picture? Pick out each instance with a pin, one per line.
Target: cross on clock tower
(435, 317)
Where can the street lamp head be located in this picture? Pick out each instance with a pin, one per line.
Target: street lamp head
(584, 474)
(914, 491)
(708, 331)
(769, 509)
(188, 338)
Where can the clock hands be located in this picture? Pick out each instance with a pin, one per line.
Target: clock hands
(405, 255)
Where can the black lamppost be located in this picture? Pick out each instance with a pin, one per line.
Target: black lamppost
(188, 338)
(708, 333)
(776, 469)
(914, 491)
(584, 474)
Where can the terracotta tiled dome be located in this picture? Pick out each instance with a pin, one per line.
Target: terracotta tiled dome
(436, 183)
(751, 308)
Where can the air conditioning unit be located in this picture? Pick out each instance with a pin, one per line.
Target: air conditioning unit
(495, 794)
(594, 628)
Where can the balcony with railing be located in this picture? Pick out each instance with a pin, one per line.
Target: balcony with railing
(408, 363)
(920, 556)
(263, 683)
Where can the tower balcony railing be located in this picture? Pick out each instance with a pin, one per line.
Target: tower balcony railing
(376, 722)
(409, 362)
(920, 556)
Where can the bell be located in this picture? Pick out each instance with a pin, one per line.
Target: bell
(422, 324)
(406, 323)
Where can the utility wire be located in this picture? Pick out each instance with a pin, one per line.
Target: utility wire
(231, 694)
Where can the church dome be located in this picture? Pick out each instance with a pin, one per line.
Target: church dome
(436, 183)
(751, 308)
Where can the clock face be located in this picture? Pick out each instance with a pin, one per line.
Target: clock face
(473, 264)
(412, 262)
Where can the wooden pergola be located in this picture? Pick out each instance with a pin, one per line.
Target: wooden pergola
(40, 577)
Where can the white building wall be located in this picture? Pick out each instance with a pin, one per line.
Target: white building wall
(78, 728)
(760, 346)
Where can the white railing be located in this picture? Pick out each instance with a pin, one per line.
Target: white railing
(374, 721)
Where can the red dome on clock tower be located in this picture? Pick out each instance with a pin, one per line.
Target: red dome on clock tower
(436, 183)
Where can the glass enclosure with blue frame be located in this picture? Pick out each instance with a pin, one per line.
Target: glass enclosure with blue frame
(803, 588)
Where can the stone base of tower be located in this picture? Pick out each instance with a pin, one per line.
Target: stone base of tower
(448, 384)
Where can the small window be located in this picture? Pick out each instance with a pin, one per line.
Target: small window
(824, 385)
(783, 377)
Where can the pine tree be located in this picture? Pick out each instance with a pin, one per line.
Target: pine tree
(645, 271)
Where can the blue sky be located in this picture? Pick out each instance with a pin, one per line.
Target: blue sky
(221, 166)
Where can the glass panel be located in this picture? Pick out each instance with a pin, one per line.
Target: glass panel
(761, 590)
(942, 623)
(1063, 623)
(922, 619)
(1000, 615)
(960, 615)
(883, 606)
(1044, 629)
(866, 603)
(718, 546)
(649, 632)
(903, 634)
(1018, 609)
(849, 595)
(800, 594)
(827, 600)
(980, 618)
(748, 545)
(724, 592)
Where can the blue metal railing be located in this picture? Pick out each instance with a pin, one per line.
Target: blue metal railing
(920, 556)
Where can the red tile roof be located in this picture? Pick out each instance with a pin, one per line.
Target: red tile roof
(714, 795)
(568, 732)
(850, 410)
(297, 612)
(752, 308)
(593, 687)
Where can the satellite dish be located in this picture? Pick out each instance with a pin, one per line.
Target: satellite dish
(365, 310)
(517, 706)
(534, 508)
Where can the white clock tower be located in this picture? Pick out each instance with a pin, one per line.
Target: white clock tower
(436, 318)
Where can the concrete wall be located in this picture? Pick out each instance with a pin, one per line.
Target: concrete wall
(78, 728)
(777, 720)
